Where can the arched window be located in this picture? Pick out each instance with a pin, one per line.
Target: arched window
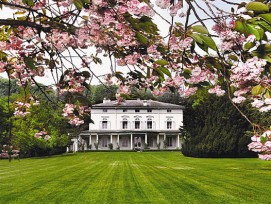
(124, 123)
(149, 123)
(137, 123)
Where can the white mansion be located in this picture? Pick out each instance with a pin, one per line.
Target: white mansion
(133, 124)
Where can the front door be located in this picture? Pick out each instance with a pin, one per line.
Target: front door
(138, 142)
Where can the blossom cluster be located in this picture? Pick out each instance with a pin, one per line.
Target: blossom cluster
(74, 113)
(42, 134)
(262, 145)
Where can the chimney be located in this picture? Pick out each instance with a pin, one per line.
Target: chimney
(106, 100)
(145, 103)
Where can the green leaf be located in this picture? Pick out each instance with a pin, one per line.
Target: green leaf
(266, 16)
(142, 39)
(264, 25)
(30, 63)
(87, 86)
(249, 45)
(254, 31)
(160, 74)
(2, 55)
(161, 62)
(197, 38)
(234, 57)
(209, 42)
(86, 1)
(86, 74)
(78, 4)
(165, 71)
(200, 29)
(28, 2)
(267, 94)
(256, 90)
(257, 6)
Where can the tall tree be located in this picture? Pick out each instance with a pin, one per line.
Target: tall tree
(213, 129)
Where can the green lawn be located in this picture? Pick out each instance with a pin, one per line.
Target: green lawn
(134, 177)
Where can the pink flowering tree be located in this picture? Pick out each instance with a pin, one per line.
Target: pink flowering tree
(67, 38)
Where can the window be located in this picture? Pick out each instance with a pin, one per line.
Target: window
(169, 141)
(104, 110)
(137, 142)
(149, 110)
(169, 110)
(124, 124)
(124, 110)
(149, 123)
(169, 124)
(137, 110)
(151, 141)
(124, 141)
(104, 142)
(104, 124)
(137, 124)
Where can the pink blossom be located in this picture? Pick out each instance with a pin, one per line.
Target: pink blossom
(267, 101)
(255, 146)
(257, 103)
(217, 90)
(265, 156)
(238, 99)
(255, 138)
(188, 91)
(265, 108)
(174, 8)
(163, 4)
(123, 89)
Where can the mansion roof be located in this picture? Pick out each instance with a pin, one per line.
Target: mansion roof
(137, 104)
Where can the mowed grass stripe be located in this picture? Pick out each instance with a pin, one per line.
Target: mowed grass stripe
(131, 177)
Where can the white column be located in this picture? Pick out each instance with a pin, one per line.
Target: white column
(178, 141)
(75, 145)
(131, 141)
(97, 138)
(157, 139)
(146, 139)
(165, 136)
(118, 140)
(90, 139)
(111, 139)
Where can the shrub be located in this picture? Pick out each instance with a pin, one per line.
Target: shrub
(118, 147)
(110, 146)
(158, 145)
(96, 145)
(165, 144)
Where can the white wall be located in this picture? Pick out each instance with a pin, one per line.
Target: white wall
(115, 116)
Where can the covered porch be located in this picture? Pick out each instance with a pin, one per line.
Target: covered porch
(127, 141)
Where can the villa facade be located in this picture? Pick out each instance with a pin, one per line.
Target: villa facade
(133, 124)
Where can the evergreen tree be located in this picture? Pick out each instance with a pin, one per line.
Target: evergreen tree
(214, 129)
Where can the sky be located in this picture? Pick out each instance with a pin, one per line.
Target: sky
(162, 25)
